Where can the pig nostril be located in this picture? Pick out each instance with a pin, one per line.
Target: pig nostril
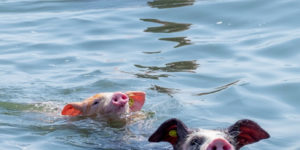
(124, 97)
(115, 100)
(226, 147)
(214, 148)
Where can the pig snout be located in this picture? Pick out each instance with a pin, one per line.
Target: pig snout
(119, 99)
(219, 144)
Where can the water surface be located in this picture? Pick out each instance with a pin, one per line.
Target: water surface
(206, 62)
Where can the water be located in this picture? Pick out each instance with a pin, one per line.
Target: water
(206, 62)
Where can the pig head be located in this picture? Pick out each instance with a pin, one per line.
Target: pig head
(116, 103)
(241, 133)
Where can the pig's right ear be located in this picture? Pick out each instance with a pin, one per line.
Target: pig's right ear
(72, 109)
(172, 131)
(246, 132)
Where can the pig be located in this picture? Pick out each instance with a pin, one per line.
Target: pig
(111, 104)
(241, 133)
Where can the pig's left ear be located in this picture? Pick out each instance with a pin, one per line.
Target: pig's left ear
(136, 100)
(246, 132)
(172, 131)
(72, 109)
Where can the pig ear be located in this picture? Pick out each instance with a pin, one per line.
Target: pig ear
(136, 100)
(72, 109)
(172, 131)
(247, 132)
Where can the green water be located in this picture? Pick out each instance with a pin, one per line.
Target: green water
(206, 62)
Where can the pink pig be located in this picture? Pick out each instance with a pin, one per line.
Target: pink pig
(115, 104)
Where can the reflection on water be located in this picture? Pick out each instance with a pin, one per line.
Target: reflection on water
(182, 41)
(154, 52)
(15, 106)
(218, 89)
(170, 3)
(18, 108)
(153, 72)
(149, 76)
(180, 66)
(168, 27)
(160, 89)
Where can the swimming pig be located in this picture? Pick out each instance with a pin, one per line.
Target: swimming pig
(115, 104)
(243, 132)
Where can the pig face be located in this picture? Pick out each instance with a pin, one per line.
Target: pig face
(115, 104)
(243, 132)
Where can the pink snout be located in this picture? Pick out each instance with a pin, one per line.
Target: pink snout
(219, 144)
(119, 99)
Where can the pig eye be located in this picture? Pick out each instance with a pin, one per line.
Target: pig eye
(196, 141)
(95, 103)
